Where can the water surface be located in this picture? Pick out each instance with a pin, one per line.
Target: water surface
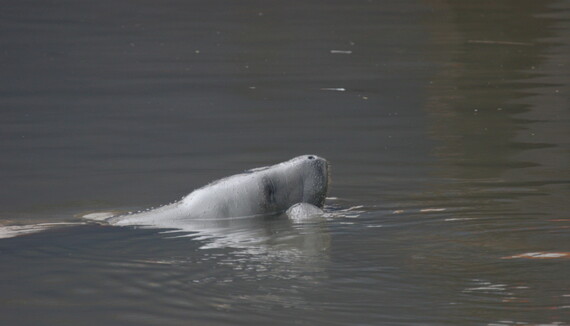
(446, 123)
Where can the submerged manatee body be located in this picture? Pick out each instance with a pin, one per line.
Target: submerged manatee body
(262, 191)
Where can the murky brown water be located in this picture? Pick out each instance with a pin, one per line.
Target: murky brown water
(446, 123)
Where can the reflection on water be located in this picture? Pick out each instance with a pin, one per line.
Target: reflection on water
(446, 123)
(495, 110)
(272, 235)
(497, 121)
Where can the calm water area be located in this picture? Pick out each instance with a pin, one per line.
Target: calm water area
(446, 122)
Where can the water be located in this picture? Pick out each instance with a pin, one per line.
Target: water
(446, 121)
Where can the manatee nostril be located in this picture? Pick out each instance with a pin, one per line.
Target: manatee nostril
(311, 157)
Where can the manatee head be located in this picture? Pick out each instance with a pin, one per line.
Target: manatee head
(315, 179)
(303, 179)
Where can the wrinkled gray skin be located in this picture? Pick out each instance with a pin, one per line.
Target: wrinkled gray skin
(261, 191)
